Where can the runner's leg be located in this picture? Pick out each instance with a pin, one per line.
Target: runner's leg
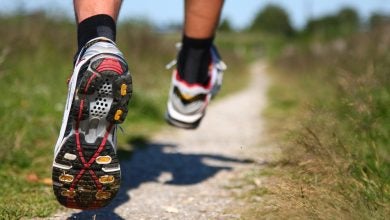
(199, 72)
(86, 171)
(201, 20)
(96, 18)
(202, 17)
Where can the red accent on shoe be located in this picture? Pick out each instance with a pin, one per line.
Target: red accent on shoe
(89, 82)
(86, 164)
(110, 64)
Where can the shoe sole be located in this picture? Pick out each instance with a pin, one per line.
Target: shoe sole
(86, 171)
(179, 124)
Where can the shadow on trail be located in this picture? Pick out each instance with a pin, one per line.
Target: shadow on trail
(148, 162)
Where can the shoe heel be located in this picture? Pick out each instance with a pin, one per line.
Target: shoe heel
(104, 91)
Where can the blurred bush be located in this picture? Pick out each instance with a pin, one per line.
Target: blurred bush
(345, 22)
(378, 19)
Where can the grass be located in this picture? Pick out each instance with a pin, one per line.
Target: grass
(329, 112)
(36, 56)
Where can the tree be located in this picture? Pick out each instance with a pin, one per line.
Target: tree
(348, 20)
(377, 19)
(272, 19)
(225, 26)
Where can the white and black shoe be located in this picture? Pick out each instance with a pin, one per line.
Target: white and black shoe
(188, 102)
(86, 171)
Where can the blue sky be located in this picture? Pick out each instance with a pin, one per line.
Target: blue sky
(240, 12)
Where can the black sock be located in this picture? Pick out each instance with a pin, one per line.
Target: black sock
(194, 59)
(96, 26)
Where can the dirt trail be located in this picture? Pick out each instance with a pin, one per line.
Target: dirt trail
(184, 174)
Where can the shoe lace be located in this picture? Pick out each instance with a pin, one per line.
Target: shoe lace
(221, 65)
(121, 129)
(174, 61)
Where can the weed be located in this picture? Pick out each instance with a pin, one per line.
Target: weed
(330, 106)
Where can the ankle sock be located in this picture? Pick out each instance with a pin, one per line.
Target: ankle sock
(96, 26)
(194, 59)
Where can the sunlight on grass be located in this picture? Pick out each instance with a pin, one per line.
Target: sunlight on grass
(36, 56)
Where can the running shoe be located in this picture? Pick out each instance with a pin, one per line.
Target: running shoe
(187, 102)
(86, 172)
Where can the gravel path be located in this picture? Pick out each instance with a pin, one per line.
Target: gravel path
(185, 174)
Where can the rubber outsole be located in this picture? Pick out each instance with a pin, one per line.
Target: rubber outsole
(86, 170)
(180, 124)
